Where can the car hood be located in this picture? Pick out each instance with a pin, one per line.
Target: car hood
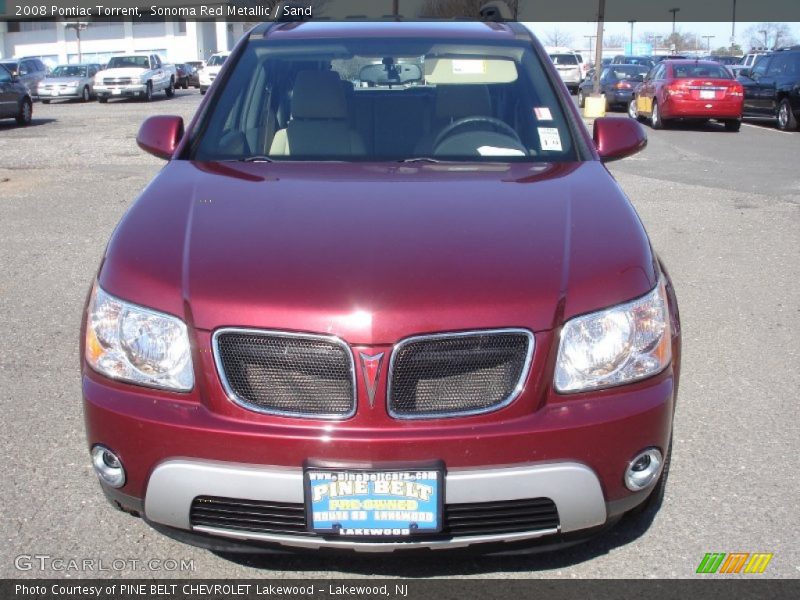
(63, 80)
(121, 72)
(375, 252)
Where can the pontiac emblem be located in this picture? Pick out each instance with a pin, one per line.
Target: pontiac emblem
(371, 369)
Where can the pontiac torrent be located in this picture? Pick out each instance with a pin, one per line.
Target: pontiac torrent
(383, 296)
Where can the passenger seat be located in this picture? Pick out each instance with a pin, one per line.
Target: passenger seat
(319, 124)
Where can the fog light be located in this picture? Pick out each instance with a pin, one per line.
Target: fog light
(643, 470)
(108, 466)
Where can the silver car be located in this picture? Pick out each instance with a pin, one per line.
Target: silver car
(69, 81)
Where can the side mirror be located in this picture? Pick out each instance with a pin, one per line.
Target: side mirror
(617, 138)
(160, 135)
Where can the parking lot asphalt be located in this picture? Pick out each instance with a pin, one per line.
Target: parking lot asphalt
(722, 209)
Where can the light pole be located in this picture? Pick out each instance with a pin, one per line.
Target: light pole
(631, 22)
(598, 47)
(707, 38)
(78, 27)
(674, 12)
(764, 32)
(733, 29)
(591, 38)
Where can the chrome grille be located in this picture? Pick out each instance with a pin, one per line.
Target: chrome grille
(117, 80)
(458, 374)
(285, 373)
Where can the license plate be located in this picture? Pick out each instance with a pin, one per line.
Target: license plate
(707, 94)
(359, 503)
(116, 92)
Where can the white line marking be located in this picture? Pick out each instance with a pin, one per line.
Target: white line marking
(762, 128)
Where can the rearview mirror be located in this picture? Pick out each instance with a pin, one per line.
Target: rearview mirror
(391, 74)
(617, 138)
(160, 135)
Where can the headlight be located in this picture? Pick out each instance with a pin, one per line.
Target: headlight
(132, 343)
(615, 346)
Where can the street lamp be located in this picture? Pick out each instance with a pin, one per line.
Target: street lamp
(78, 27)
(674, 11)
(708, 42)
(631, 22)
(733, 28)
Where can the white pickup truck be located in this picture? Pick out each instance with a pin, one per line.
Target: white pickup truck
(137, 75)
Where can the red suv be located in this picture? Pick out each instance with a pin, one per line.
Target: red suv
(384, 295)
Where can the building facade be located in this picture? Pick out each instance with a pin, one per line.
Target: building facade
(175, 41)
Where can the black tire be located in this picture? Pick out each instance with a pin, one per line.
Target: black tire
(581, 99)
(633, 111)
(656, 122)
(785, 119)
(45, 101)
(86, 95)
(25, 114)
(102, 99)
(202, 91)
(170, 91)
(148, 93)
(733, 125)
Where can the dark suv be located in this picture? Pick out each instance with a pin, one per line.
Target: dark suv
(15, 101)
(772, 88)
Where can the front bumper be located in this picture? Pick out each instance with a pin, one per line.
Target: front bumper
(573, 450)
(105, 91)
(60, 92)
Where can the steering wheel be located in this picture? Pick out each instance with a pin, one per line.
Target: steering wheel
(466, 121)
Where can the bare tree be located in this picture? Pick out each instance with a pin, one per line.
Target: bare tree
(615, 40)
(557, 37)
(777, 35)
(450, 9)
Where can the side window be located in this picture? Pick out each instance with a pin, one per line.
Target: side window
(660, 72)
(40, 66)
(760, 67)
(5, 76)
(24, 67)
(777, 66)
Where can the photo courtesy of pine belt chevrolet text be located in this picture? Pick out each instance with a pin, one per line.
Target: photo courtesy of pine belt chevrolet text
(383, 296)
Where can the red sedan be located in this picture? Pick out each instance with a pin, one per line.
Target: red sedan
(689, 89)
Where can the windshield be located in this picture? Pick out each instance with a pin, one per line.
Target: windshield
(692, 71)
(622, 72)
(124, 62)
(386, 100)
(68, 71)
(11, 66)
(216, 60)
(564, 59)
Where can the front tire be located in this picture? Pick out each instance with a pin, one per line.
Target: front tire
(45, 101)
(148, 93)
(25, 115)
(581, 99)
(633, 111)
(170, 91)
(102, 99)
(86, 95)
(786, 120)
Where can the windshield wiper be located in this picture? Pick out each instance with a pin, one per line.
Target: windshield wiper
(426, 159)
(257, 158)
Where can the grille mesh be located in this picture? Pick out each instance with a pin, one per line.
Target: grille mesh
(479, 518)
(293, 375)
(451, 375)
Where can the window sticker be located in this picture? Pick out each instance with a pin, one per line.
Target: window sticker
(543, 113)
(469, 67)
(549, 139)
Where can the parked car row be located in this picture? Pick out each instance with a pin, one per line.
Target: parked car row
(136, 75)
(694, 90)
